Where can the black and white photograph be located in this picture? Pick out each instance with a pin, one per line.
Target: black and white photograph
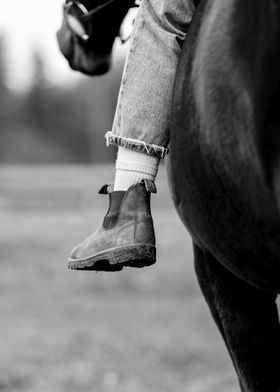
(139, 195)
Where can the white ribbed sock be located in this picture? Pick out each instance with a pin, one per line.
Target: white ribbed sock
(132, 167)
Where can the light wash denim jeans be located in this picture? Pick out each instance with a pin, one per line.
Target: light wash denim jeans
(144, 103)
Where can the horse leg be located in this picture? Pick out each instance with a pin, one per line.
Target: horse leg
(247, 318)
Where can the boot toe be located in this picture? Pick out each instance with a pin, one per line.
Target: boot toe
(77, 261)
(75, 253)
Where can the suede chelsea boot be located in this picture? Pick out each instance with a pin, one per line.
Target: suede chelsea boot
(126, 236)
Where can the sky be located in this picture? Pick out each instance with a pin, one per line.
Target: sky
(30, 24)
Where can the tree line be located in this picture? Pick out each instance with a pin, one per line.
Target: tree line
(51, 124)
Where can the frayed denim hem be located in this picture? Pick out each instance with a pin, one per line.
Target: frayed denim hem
(137, 145)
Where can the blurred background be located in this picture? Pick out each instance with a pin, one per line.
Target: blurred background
(49, 114)
(65, 331)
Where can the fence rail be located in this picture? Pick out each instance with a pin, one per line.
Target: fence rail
(59, 186)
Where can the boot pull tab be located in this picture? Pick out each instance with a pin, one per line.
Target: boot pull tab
(105, 189)
(150, 186)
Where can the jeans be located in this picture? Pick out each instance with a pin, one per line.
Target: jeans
(144, 104)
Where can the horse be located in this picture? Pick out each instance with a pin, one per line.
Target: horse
(97, 23)
(224, 168)
(224, 175)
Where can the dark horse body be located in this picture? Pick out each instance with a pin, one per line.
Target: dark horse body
(224, 174)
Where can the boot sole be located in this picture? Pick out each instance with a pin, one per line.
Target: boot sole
(136, 256)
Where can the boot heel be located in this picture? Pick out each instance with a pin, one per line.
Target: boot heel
(139, 256)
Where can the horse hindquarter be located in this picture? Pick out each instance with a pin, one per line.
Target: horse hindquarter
(222, 101)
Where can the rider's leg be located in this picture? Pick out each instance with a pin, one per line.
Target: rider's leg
(144, 103)
(140, 129)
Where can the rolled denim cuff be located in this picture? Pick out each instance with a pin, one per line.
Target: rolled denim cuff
(136, 145)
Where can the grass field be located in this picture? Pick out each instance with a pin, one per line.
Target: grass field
(64, 331)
